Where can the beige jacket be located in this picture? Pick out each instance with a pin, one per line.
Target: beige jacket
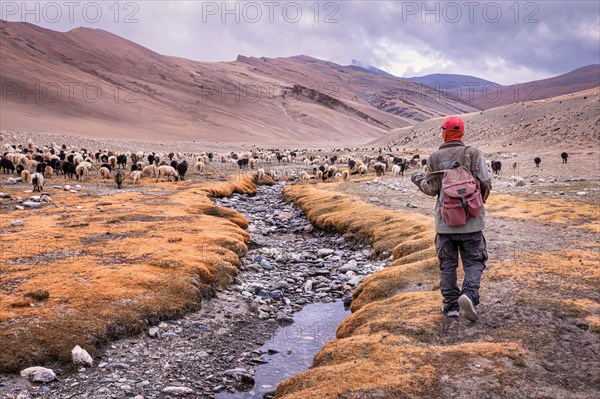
(431, 184)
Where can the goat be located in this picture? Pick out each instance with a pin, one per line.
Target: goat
(182, 170)
(496, 167)
(119, 177)
(37, 180)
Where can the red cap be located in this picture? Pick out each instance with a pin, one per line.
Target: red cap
(454, 123)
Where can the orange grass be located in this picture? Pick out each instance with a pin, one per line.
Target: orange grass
(574, 213)
(393, 344)
(122, 262)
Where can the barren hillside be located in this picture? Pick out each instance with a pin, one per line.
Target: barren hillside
(580, 79)
(559, 123)
(93, 83)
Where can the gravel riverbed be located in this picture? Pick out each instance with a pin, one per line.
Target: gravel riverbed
(217, 349)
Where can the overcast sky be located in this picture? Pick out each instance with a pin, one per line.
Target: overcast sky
(503, 41)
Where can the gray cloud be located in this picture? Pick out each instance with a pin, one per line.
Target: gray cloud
(500, 41)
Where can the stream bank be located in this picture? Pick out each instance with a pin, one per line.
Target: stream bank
(289, 266)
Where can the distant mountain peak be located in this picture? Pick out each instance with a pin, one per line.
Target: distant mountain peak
(357, 65)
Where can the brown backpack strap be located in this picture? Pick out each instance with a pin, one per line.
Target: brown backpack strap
(461, 160)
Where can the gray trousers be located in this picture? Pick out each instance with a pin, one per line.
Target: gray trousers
(473, 253)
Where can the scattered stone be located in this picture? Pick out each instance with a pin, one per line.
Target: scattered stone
(520, 182)
(38, 374)
(117, 366)
(354, 281)
(374, 199)
(283, 318)
(4, 195)
(411, 205)
(31, 204)
(235, 372)
(11, 181)
(266, 265)
(263, 315)
(281, 285)
(178, 391)
(218, 388)
(81, 356)
(154, 332)
(17, 223)
(308, 285)
(325, 252)
(351, 265)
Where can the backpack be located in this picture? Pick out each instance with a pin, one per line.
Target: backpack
(462, 195)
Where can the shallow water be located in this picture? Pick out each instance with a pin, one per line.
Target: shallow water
(297, 344)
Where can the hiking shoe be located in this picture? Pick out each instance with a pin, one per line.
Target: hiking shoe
(450, 313)
(467, 306)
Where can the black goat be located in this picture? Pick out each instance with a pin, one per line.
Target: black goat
(496, 167)
(564, 157)
(182, 170)
(537, 161)
(7, 165)
(119, 178)
(41, 168)
(69, 169)
(243, 163)
(122, 161)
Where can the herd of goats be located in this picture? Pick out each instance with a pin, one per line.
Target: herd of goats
(34, 164)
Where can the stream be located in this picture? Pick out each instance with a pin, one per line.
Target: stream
(313, 270)
(292, 349)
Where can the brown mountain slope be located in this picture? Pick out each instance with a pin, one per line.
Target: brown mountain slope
(580, 79)
(93, 83)
(567, 121)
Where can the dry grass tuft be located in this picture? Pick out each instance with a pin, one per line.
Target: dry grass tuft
(385, 230)
(157, 259)
(574, 213)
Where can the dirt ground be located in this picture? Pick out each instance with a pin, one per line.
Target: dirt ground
(538, 336)
(539, 330)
